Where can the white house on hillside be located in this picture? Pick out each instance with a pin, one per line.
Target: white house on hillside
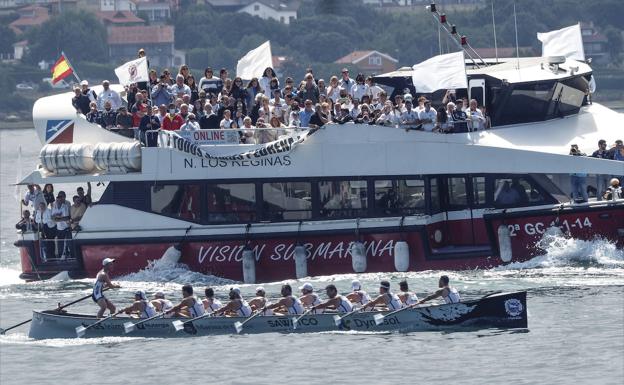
(270, 9)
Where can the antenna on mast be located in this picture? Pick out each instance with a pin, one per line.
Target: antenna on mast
(494, 26)
(516, 28)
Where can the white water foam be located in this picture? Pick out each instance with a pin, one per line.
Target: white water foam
(164, 271)
(23, 339)
(562, 251)
(9, 276)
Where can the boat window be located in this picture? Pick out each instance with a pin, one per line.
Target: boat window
(528, 103)
(287, 201)
(434, 195)
(231, 202)
(342, 199)
(516, 192)
(399, 197)
(478, 190)
(177, 200)
(457, 192)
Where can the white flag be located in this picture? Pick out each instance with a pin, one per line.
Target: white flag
(566, 42)
(253, 64)
(133, 71)
(440, 72)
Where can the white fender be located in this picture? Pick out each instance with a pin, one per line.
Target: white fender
(249, 266)
(171, 255)
(301, 261)
(401, 256)
(504, 243)
(358, 257)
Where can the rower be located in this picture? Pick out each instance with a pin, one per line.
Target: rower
(309, 298)
(445, 291)
(335, 301)
(386, 298)
(237, 306)
(190, 306)
(358, 296)
(103, 281)
(407, 297)
(260, 301)
(289, 304)
(211, 304)
(161, 304)
(140, 306)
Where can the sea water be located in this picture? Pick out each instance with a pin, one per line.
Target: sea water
(575, 336)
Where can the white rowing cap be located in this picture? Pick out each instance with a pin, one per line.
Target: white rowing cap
(106, 261)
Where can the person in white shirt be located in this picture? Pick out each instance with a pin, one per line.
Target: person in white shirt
(191, 124)
(179, 89)
(346, 82)
(108, 95)
(428, 117)
(373, 89)
(409, 117)
(388, 117)
(475, 117)
(265, 80)
(47, 229)
(407, 297)
(34, 195)
(61, 215)
(226, 122)
(211, 304)
(278, 106)
(355, 108)
(360, 88)
(333, 90)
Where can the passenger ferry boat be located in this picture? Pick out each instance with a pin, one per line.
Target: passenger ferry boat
(343, 198)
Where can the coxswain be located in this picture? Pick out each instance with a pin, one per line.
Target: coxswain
(102, 281)
(211, 304)
(445, 291)
(260, 301)
(386, 298)
(190, 306)
(289, 304)
(358, 296)
(309, 298)
(338, 302)
(141, 306)
(161, 304)
(237, 307)
(407, 297)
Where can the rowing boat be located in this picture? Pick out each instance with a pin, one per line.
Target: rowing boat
(501, 310)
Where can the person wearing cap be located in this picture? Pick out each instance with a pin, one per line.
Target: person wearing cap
(407, 297)
(211, 304)
(61, 215)
(191, 123)
(386, 298)
(237, 307)
(190, 306)
(448, 293)
(141, 306)
(309, 298)
(102, 281)
(358, 296)
(338, 302)
(80, 101)
(84, 86)
(260, 301)
(289, 304)
(108, 95)
(161, 304)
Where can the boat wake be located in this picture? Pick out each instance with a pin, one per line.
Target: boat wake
(164, 271)
(23, 339)
(9, 276)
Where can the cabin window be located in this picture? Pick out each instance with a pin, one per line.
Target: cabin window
(457, 193)
(287, 201)
(177, 200)
(478, 191)
(434, 196)
(228, 203)
(516, 192)
(399, 197)
(343, 199)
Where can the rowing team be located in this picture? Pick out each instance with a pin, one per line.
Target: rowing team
(192, 307)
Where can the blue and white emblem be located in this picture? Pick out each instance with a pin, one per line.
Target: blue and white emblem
(513, 307)
(55, 127)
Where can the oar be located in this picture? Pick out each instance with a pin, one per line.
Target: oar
(179, 325)
(295, 320)
(2, 331)
(131, 326)
(379, 318)
(81, 330)
(338, 319)
(239, 325)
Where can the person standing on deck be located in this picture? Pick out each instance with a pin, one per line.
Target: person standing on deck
(289, 304)
(445, 291)
(141, 306)
(237, 306)
(386, 298)
(211, 304)
(335, 301)
(309, 298)
(358, 296)
(407, 297)
(102, 281)
(190, 306)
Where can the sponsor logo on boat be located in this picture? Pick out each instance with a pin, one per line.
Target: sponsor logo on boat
(539, 228)
(275, 161)
(287, 322)
(513, 307)
(370, 324)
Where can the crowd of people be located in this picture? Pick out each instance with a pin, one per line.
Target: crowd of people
(191, 306)
(180, 102)
(607, 187)
(53, 218)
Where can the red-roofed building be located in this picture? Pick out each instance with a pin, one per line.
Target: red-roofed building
(369, 62)
(157, 40)
(29, 16)
(594, 43)
(119, 18)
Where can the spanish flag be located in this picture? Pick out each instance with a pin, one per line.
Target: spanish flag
(61, 69)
